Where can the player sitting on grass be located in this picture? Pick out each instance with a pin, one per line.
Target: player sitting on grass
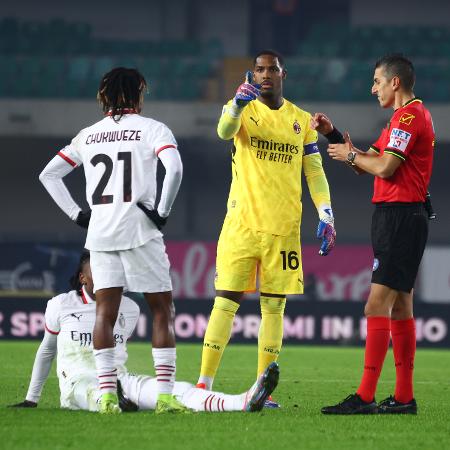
(69, 324)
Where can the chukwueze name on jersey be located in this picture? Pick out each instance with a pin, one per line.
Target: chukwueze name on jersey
(274, 151)
(113, 136)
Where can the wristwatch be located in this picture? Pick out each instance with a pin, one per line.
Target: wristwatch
(351, 158)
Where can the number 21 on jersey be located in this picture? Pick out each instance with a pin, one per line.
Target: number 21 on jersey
(98, 198)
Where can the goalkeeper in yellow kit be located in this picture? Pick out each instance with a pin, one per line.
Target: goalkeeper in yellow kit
(273, 144)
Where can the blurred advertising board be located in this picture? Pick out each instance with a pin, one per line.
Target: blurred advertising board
(434, 277)
(306, 322)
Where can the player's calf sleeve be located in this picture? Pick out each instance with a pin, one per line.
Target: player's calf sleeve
(270, 336)
(377, 344)
(164, 360)
(217, 335)
(404, 347)
(106, 370)
(210, 401)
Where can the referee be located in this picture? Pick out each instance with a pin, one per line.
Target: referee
(401, 161)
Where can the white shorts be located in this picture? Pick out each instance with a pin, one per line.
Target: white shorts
(141, 269)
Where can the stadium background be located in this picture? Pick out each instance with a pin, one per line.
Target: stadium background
(194, 53)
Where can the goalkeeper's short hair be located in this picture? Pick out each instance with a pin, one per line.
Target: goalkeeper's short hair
(272, 53)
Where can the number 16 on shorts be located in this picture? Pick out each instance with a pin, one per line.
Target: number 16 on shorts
(289, 260)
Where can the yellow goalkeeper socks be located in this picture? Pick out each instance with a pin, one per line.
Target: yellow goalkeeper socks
(270, 336)
(216, 338)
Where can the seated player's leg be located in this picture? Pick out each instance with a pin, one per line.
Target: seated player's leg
(108, 277)
(237, 257)
(85, 394)
(210, 401)
(141, 390)
(147, 270)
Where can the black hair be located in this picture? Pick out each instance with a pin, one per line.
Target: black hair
(74, 281)
(119, 89)
(396, 65)
(272, 53)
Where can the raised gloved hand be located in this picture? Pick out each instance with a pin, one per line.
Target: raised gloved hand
(153, 215)
(83, 218)
(326, 231)
(24, 404)
(247, 91)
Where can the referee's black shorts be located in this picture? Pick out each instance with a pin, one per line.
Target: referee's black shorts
(399, 235)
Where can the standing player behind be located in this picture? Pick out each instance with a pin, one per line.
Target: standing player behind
(69, 321)
(273, 143)
(401, 161)
(120, 156)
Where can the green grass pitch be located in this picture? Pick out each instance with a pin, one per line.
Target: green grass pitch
(310, 378)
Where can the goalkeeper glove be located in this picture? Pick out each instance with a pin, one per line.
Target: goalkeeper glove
(83, 218)
(326, 231)
(24, 404)
(153, 215)
(247, 91)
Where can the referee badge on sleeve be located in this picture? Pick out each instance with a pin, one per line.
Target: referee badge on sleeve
(375, 265)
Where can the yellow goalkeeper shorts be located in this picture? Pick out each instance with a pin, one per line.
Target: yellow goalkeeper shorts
(243, 255)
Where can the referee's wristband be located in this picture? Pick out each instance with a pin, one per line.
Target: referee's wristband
(335, 137)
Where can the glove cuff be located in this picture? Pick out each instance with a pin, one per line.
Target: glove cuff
(326, 214)
(235, 110)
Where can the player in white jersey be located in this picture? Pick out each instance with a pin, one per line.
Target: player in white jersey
(69, 321)
(120, 154)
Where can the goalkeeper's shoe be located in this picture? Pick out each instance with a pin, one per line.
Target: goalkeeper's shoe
(391, 406)
(167, 403)
(353, 404)
(109, 404)
(125, 404)
(266, 383)
(270, 403)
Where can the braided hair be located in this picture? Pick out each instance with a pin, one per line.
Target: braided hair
(119, 89)
(74, 281)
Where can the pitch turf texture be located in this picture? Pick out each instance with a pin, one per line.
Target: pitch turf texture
(310, 378)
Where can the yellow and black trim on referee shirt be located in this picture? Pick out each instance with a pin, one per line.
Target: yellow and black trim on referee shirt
(393, 151)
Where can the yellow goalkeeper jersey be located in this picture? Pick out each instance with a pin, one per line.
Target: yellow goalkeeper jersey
(267, 159)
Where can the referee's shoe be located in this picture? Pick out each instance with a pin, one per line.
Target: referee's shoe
(392, 406)
(353, 404)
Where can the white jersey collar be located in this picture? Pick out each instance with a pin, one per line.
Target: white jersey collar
(85, 296)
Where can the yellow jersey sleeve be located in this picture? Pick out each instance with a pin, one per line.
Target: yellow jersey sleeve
(229, 122)
(313, 170)
(316, 180)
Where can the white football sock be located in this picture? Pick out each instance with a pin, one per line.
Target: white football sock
(164, 360)
(106, 370)
(204, 400)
